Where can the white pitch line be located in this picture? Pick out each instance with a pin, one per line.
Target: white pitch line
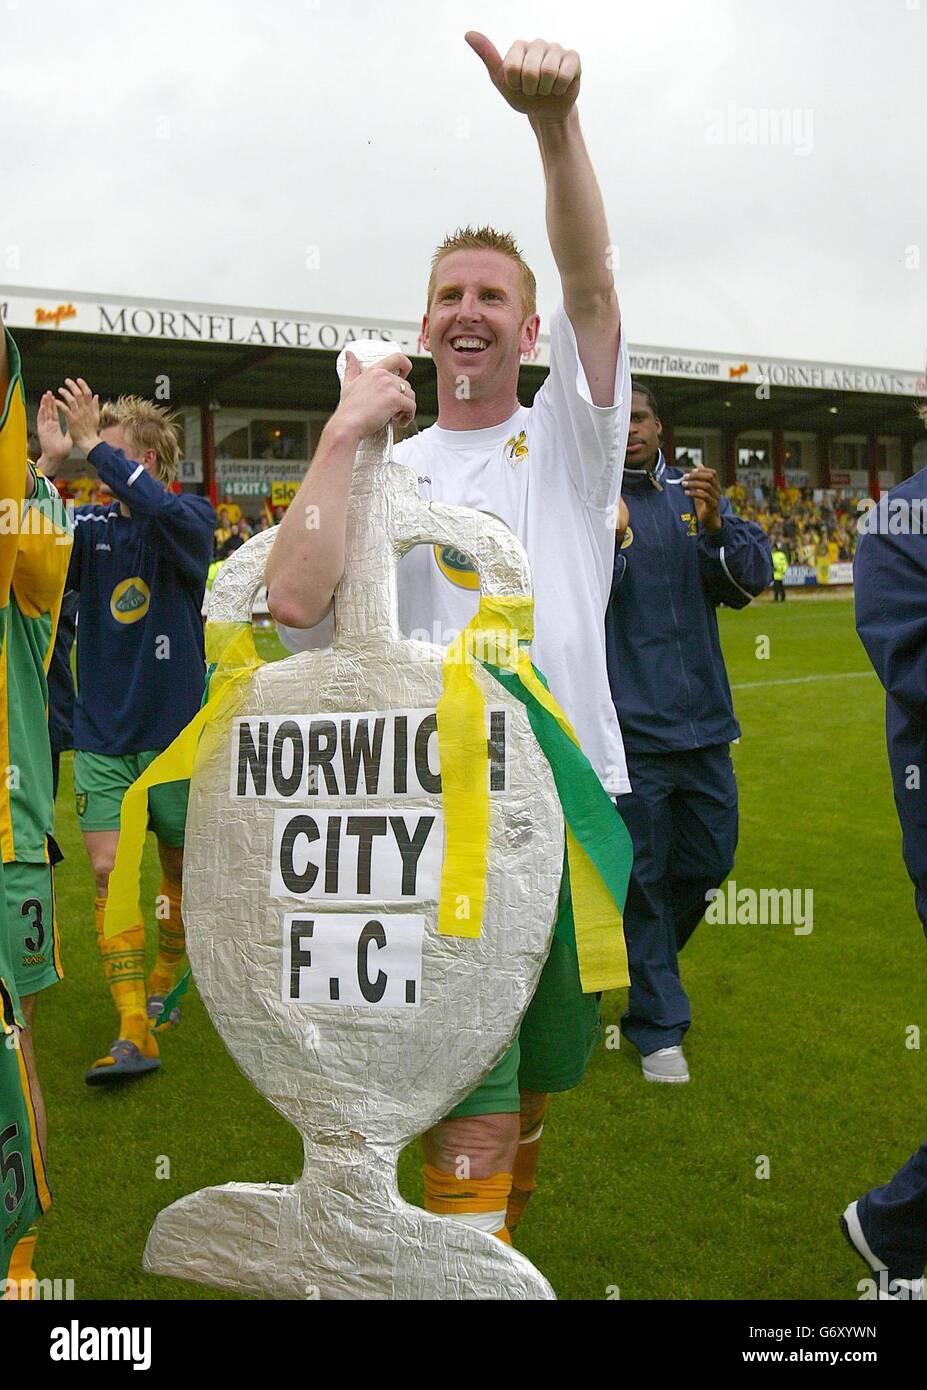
(803, 680)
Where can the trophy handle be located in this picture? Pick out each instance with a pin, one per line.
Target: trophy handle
(236, 586)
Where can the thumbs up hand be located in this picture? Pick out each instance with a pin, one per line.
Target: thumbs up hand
(540, 79)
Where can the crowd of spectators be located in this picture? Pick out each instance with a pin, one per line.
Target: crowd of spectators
(234, 528)
(810, 524)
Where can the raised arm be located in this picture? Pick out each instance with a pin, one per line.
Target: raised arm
(307, 560)
(541, 80)
(735, 557)
(16, 479)
(182, 526)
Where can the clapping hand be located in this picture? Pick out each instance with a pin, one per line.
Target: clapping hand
(704, 487)
(56, 444)
(81, 410)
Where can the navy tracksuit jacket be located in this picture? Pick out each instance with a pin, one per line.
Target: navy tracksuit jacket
(890, 584)
(671, 693)
(141, 580)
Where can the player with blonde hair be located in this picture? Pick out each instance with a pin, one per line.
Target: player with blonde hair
(139, 566)
(552, 473)
(145, 427)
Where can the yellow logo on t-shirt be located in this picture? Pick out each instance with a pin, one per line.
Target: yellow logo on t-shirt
(130, 600)
(692, 519)
(517, 448)
(628, 539)
(455, 566)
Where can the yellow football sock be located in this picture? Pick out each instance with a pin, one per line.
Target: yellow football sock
(171, 941)
(21, 1270)
(124, 972)
(524, 1174)
(478, 1202)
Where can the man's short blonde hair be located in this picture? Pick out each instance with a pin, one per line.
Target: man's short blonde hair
(146, 426)
(487, 239)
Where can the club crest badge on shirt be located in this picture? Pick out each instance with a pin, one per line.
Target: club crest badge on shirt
(130, 600)
(692, 519)
(626, 539)
(516, 448)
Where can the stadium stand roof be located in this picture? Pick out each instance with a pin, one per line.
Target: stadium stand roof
(257, 358)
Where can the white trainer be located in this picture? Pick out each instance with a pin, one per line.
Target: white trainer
(668, 1064)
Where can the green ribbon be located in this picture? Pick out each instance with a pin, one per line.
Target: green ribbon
(173, 997)
(587, 808)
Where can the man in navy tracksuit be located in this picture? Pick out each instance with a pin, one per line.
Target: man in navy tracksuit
(139, 566)
(888, 1225)
(680, 552)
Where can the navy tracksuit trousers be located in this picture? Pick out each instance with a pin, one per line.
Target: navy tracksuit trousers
(894, 1219)
(681, 815)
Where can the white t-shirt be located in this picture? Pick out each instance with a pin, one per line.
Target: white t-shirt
(552, 473)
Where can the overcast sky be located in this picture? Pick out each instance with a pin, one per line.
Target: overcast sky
(308, 154)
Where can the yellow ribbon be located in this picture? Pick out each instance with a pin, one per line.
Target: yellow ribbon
(598, 924)
(463, 748)
(230, 648)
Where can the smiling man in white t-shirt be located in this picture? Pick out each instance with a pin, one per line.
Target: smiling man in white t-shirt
(552, 473)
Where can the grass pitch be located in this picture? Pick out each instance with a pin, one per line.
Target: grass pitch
(798, 1047)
